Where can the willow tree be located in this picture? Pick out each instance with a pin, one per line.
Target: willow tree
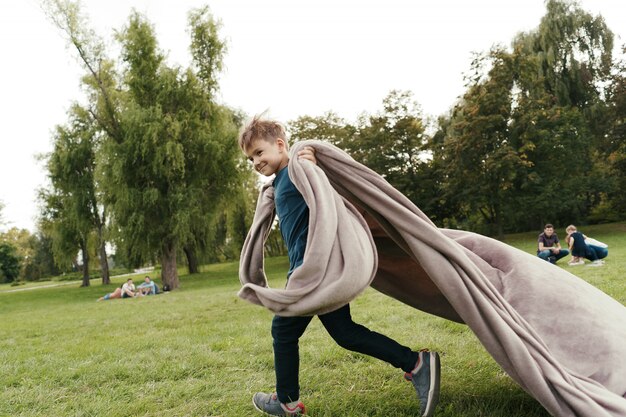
(72, 207)
(171, 154)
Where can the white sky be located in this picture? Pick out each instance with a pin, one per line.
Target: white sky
(291, 57)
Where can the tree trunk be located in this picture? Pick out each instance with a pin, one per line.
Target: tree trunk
(85, 256)
(192, 259)
(104, 263)
(168, 266)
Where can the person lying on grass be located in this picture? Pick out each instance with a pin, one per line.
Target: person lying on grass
(265, 144)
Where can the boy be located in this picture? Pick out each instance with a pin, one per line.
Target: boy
(265, 144)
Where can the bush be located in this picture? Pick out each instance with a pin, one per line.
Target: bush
(9, 263)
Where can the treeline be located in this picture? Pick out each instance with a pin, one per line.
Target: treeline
(537, 137)
(149, 164)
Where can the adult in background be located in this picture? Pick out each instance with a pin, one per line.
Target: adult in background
(148, 287)
(549, 249)
(128, 289)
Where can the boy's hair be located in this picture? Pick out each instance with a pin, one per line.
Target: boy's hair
(570, 228)
(258, 128)
(548, 226)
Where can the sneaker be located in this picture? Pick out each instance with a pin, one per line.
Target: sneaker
(552, 259)
(269, 404)
(425, 378)
(574, 263)
(597, 262)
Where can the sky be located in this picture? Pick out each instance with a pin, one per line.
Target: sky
(289, 57)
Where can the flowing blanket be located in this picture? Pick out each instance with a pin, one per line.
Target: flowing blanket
(560, 338)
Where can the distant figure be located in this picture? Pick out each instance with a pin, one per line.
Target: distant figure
(112, 295)
(581, 249)
(148, 287)
(549, 248)
(128, 289)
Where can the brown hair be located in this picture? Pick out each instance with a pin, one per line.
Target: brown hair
(258, 128)
(548, 226)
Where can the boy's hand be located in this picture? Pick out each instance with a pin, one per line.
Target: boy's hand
(307, 153)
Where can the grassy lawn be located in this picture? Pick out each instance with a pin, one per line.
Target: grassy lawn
(201, 351)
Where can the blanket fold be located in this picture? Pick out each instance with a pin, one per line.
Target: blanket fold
(558, 337)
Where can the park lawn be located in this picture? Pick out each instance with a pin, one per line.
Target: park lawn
(201, 351)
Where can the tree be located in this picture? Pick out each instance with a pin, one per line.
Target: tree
(40, 263)
(9, 262)
(481, 163)
(170, 154)
(613, 144)
(525, 131)
(73, 206)
(391, 142)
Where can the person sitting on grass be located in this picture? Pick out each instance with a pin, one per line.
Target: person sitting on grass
(549, 249)
(265, 144)
(148, 287)
(581, 250)
(128, 289)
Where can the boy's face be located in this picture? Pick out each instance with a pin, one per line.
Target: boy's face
(548, 231)
(268, 158)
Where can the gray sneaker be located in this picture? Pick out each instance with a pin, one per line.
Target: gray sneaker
(425, 378)
(269, 404)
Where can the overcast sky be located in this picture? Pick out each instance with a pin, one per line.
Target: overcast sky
(289, 56)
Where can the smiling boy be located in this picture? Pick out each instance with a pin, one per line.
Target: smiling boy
(265, 144)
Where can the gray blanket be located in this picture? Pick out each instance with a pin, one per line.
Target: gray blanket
(561, 339)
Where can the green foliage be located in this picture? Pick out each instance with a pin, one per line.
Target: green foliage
(524, 135)
(9, 262)
(169, 159)
(613, 146)
(391, 142)
(72, 211)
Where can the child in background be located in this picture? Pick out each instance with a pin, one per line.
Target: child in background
(580, 249)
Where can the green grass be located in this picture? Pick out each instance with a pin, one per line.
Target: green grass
(201, 351)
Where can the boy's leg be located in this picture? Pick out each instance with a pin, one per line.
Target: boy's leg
(286, 332)
(422, 369)
(358, 338)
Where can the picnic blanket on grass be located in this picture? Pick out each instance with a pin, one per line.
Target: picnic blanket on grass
(560, 338)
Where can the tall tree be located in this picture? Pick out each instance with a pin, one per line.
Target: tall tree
(73, 203)
(171, 155)
(523, 135)
(481, 162)
(613, 146)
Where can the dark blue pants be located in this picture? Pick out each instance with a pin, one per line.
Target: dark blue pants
(593, 252)
(286, 332)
